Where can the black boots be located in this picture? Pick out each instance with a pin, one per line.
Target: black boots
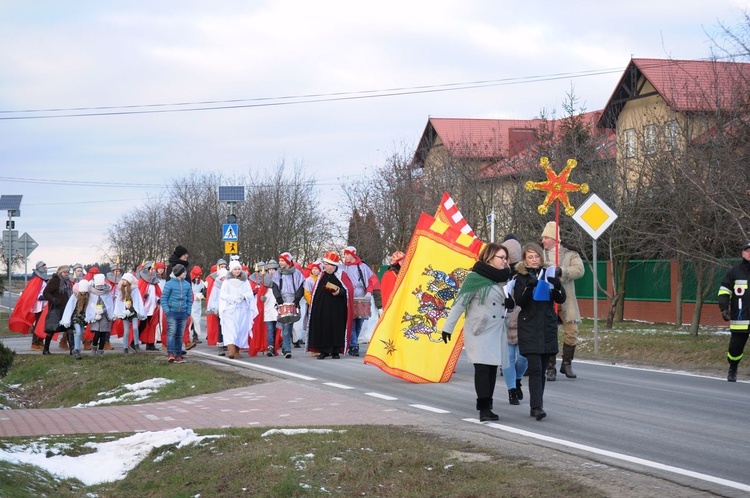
(484, 405)
(519, 393)
(567, 359)
(537, 413)
(732, 375)
(513, 397)
(551, 370)
(47, 341)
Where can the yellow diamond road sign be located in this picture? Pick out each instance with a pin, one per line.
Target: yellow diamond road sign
(594, 216)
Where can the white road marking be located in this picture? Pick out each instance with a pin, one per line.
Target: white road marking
(340, 386)
(617, 456)
(430, 408)
(252, 365)
(382, 396)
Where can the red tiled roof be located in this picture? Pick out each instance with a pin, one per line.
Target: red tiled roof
(685, 85)
(694, 85)
(485, 138)
(506, 142)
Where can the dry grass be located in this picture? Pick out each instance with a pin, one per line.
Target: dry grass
(348, 461)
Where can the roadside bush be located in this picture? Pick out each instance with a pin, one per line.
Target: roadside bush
(7, 356)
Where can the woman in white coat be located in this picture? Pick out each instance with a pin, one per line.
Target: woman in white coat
(129, 308)
(237, 309)
(483, 300)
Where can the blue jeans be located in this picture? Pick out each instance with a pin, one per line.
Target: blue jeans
(175, 327)
(287, 331)
(271, 334)
(128, 325)
(517, 367)
(78, 336)
(356, 329)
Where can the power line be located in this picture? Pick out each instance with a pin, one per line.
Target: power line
(82, 184)
(212, 105)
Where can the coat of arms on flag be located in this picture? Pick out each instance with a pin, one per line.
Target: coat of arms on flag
(407, 340)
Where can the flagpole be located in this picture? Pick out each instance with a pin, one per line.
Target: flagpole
(492, 226)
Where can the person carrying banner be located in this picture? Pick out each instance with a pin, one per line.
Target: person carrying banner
(483, 299)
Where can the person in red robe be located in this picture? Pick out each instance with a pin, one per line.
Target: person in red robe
(29, 306)
(388, 281)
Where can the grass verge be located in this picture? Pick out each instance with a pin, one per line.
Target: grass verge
(56, 381)
(348, 461)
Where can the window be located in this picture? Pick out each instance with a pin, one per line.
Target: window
(670, 135)
(629, 142)
(649, 139)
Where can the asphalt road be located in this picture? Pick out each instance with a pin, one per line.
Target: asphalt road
(690, 429)
(681, 426)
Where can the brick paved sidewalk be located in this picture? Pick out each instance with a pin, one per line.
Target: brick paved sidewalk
(274, 404)
(279, 403)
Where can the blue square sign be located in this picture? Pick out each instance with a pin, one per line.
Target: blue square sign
(230, 231)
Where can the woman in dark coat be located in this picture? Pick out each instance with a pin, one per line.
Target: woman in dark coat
(58, 290)
(536, 292)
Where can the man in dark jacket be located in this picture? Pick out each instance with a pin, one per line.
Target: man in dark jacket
(179, 256)
(734, 304)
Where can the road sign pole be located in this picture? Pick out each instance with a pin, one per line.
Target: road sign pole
(26, 263)
(596, 305)
(10, 262)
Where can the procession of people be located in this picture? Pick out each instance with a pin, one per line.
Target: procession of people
(514, 299)
(161, 306)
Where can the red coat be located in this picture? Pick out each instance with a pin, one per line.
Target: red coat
(23, 317)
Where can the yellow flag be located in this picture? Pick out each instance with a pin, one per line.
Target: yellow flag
(407, 340)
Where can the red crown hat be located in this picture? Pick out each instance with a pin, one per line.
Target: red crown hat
(350, 250)
(160, 264)
(332, 258)
(397, 257)
(287, 257)
(196, 271)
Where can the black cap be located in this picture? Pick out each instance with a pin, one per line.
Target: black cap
(746, 246)
(180, 251)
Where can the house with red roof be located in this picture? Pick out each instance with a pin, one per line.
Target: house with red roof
(659, 104)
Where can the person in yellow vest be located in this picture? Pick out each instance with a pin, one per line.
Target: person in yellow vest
(572, 269)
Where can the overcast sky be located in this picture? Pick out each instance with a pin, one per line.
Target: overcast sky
(78, 175)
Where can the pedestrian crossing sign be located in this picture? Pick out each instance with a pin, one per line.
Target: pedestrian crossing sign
(230, 231)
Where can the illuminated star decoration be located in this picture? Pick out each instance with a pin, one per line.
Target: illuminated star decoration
(390, 347)
(557, 186)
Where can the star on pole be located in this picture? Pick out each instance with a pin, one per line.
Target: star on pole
(557, 186)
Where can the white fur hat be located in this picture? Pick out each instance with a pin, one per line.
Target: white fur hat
(234, 264)
(99, 280)
(83, 286)
(130, 278)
